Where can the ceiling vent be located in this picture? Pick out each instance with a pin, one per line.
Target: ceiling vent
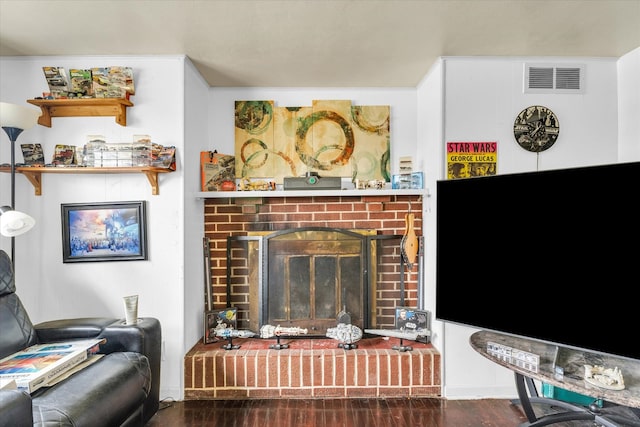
(544, 78)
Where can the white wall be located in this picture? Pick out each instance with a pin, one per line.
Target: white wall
(197, 115)
(482, 97)
(629, 106)
(51, 289)
(430, 119)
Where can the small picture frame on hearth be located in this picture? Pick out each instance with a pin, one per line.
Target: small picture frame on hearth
(218, 319)
(411, 319)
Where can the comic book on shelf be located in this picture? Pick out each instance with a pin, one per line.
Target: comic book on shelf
(163, 156)
(102, 87)
(32, 154)
(64, 155)
(123, 78)
(80, 82)
(112, 82)
(215, 168)
(39, 365)
(57, 80)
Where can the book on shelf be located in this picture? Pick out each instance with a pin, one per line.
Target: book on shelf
(122, 77)
(101, 83)
(39, 365)
(163, 156)
(215, 168)
(64, 155)
(80, 81)
(112, 82)
(57, 80)
(32, 154)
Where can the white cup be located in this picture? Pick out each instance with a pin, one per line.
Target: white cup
(131, 309)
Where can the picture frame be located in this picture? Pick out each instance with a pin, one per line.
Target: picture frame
(218, 319)
(104, 231)
(411, 319)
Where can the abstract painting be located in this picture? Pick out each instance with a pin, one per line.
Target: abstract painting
(330, 138)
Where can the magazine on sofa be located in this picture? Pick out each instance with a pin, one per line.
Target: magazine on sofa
(8, 384)
(39, 365)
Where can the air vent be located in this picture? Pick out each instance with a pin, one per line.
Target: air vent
(540, 78)
(545, 78)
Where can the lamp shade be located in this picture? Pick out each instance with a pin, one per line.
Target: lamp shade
(14, 223)
(18, 116)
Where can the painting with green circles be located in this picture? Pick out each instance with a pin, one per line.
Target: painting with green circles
(332, 138)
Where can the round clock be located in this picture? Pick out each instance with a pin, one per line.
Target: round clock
(536, 128)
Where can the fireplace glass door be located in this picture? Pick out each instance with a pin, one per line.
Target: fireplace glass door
(312, 275)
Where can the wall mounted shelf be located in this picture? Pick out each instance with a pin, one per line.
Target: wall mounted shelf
(82, 107)
(306, 193)
(34, 174)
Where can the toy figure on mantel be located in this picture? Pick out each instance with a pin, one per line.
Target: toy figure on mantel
(230, 333)
(270, 331)
(347, 334)
(344, 331)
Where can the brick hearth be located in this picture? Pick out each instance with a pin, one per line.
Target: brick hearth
(311, 368)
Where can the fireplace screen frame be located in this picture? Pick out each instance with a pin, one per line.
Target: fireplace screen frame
(255, 250)
(321, 260)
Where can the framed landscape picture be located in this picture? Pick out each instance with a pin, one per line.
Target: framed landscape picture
(113, 231)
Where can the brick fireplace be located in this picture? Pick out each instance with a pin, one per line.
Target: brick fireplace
(311, 367)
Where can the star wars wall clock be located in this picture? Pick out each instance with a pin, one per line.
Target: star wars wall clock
(536, 128)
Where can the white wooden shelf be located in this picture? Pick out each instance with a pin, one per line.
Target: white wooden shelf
(306, 193)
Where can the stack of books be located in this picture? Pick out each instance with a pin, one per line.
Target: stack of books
(44, 364)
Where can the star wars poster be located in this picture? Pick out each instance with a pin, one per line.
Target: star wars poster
(469, 159)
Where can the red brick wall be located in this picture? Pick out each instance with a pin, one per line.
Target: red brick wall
(386, 213)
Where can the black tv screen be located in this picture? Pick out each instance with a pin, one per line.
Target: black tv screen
(551, 255)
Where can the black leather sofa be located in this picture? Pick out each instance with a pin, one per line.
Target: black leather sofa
(121, 389)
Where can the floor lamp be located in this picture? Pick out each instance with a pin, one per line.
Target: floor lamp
(14, 119)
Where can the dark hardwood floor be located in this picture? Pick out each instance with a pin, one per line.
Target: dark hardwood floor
(343, 412)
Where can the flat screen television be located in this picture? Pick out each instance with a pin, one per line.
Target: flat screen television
(551, 255)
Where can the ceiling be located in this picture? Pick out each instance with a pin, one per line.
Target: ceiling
(319, 43)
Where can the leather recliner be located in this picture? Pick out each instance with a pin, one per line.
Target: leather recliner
(121, 389)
